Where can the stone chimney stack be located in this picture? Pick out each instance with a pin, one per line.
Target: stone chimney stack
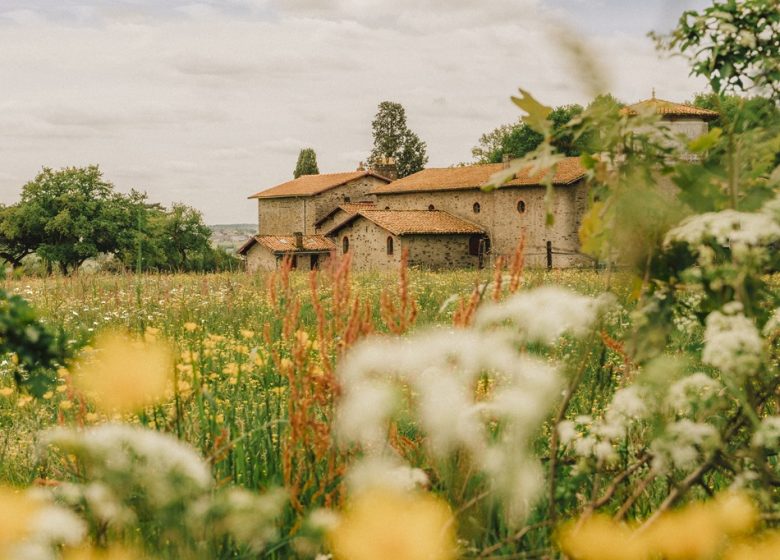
(386, 167)
(298, 240)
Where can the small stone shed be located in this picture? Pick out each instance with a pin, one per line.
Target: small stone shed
(298, 204)
(434, 239)
(265, 252)
(505, 213)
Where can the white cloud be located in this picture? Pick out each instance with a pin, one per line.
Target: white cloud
(207, 102)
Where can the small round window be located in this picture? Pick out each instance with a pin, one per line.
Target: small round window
(521, 206)
(431, 207)
(476, 208)
(345, 245)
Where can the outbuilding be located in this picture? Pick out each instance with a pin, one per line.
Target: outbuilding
(266, 252)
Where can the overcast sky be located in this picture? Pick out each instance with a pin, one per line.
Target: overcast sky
(207, 102)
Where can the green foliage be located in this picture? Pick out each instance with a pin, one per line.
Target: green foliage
(734, 45)
(35, 350)
(524, 137)
(395, 142)
(71, 215)
(307, 163)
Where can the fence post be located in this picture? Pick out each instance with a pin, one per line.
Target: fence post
(549, 255)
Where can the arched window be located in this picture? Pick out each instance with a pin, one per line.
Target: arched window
(521, 206)
(389, 245)
(431, 207)
(345, 245)
(387, 208)
(476, 208)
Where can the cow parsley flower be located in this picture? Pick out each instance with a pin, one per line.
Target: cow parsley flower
(687, 394)
(768, 433)
(732, 343)
(683, 444)
(726, 228)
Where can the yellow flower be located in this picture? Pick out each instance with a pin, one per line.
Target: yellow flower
(92, 417)
(768, 546)
(124, 374)
(6, 391)
(16, 511)
(61, 388)
(600, 538)
(190, 327)
(385, 524)
(247, 334)
(24, 401)
(66, 405)
(113, 553)
(48, 395)
(150, 335)
(220, 418)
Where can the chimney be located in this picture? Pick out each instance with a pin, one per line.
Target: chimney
(298, 240)
(505, 159)
(386, 168)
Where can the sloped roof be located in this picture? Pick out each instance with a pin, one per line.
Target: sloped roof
(669, 109)
(348, 207)
(309, 185)
(413, 222)
(568, 171)
(286, 244)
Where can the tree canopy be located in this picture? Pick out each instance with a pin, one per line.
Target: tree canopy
(394, 141)
(307, 163)
(73, 214)
(518, 139)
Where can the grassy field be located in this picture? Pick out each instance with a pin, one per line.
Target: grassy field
(255, 367)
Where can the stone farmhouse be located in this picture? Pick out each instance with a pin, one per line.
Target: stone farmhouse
(439, 215)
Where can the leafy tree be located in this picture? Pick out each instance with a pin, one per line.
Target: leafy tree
(307, 163)
(17, 240)
(520, 139)
(71, 215)
(732, 44)
(394, 141)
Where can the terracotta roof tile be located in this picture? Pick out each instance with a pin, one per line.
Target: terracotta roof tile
(669, 109)
(309, 185)
(349, 207)
(568, 171)
(286, 244)
(419, 222)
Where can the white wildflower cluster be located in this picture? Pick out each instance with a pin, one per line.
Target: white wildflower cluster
(772, 326)
(590, 438)
(133, 473)
(544, 314)
(683, 444)
(726, 228)
(460, 386)
(49, 527)
(732, 343)
(248, 518)
(125, 462)
(694, 394)
(768, 433)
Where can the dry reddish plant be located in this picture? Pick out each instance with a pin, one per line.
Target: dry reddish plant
(399, 310)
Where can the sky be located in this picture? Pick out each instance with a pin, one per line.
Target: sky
(208, 102)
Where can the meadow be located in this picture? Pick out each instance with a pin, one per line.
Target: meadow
(253, 377)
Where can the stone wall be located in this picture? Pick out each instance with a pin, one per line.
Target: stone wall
(439, 251)
(338, 217)
(259, 259)
(283, 216)
(368, 245)
(499, 216)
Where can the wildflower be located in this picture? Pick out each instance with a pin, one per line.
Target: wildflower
(66, 405)
(190, 327)
(16, 512)
(732, 343)
(247, 334)
(683, 443)
(725, 228)
(391, 525)
(6, 391)
(684, 395)
(24, 401)
(601, 538)
(123, 374)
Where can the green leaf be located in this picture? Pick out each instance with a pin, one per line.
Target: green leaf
(705, 141)
(537, 113)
